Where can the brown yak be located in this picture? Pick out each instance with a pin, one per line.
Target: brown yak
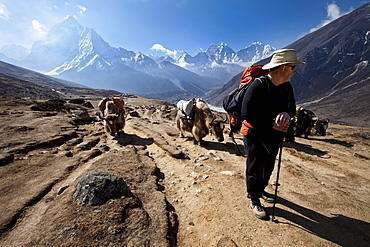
(203, 123)
(113, 116)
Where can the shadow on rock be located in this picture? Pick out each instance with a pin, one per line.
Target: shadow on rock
(128, 139)
(228, 147)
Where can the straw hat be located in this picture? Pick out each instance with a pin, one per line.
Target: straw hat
(280, 57)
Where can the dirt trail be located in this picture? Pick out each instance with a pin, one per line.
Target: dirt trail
(323, 197)
(189, 195)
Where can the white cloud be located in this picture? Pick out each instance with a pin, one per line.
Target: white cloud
(82, 9)
(39, 28)
(159, 47)
(333, 12)
(4, 13)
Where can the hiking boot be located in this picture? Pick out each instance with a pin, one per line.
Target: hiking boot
(259, 211)
(268, 197)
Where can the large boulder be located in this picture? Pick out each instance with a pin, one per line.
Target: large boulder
(80, 116)
(97, 188)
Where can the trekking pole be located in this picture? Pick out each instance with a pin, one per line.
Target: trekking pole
(231, 134)
(272, 216)
(236, 144)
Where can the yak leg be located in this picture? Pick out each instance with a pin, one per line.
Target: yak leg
(120, 126)
(307, 132)
(180, 124)
(107, 128)
(198, 135)
(119, 133)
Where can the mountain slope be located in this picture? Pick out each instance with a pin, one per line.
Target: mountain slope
(17, 88)
(35, 77)
(335, 51)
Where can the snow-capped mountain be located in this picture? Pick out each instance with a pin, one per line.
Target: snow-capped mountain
(254, 53)
(162, 58)
(58, 46)
(222, 53)
(223, 62)
(98, 65)
(72, 52)
(92, 50)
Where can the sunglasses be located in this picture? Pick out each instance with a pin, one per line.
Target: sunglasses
(292, 66)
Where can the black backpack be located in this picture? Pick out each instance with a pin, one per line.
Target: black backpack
(232, 103)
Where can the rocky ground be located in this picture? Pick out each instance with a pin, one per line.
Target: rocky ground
(182, 194)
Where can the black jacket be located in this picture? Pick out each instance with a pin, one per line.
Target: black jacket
(263, 101)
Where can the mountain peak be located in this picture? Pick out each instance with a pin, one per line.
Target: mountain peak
(212, 48)
(70, 22)
(59, 44)
(92, 43)
(65, 30)
(256, 44)
(70, 18)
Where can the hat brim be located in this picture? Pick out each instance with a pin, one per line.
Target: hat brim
(274, 65)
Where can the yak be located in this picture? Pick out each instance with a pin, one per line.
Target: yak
(201, 123)
(113, 116)
(320, 127)
(307, 122)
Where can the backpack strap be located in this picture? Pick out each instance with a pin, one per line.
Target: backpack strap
(264, 80)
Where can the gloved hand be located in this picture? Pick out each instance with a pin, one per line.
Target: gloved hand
(281, 122)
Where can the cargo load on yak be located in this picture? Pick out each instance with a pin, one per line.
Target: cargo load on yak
(120, 103)
(233, 101)
(187, 107)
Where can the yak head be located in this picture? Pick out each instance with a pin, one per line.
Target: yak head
(216, 127)
(110, 123)
(321, 126)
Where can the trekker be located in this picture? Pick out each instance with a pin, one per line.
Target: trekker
(267, 107)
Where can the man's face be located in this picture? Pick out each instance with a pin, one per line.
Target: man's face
(289, 70)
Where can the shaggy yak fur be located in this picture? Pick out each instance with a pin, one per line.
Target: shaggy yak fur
(203, 123)
(113, 116)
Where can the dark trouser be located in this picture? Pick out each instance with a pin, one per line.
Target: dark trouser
(261, 153)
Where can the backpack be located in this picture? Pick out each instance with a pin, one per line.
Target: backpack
(119, 102)
(233, 101)
(187, 108)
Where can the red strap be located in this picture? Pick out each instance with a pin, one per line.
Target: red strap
(247, 124)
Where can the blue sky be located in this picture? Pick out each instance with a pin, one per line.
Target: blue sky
(173, 25)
